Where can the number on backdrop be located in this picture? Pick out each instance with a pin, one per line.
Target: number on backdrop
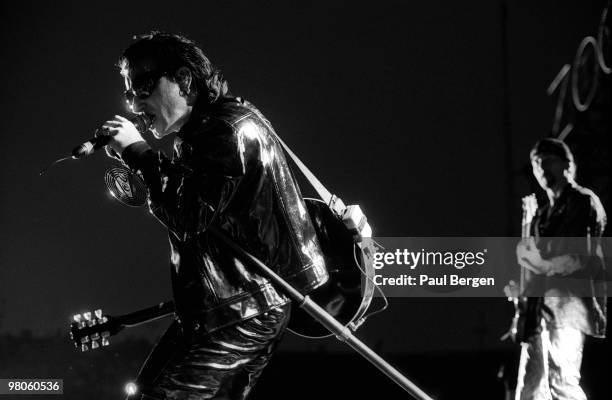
(582, 77)
(603, 42)
(561, 115)
(585, 74)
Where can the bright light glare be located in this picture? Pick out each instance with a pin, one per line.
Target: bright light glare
(131, 388)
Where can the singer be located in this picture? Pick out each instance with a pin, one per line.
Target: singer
(228, 170)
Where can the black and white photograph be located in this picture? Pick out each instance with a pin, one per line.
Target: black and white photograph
(326, 200)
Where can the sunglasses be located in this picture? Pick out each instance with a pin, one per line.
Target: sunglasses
(143, 85)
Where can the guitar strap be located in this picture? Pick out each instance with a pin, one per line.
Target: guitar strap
(325, 194)
(333, 201)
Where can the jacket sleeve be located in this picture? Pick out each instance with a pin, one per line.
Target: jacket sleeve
(186, 194)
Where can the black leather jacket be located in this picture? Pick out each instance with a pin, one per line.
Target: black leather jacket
(229, 170)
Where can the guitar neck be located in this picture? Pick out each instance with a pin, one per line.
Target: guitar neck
(525, 234)
(525, 228)
(146, 315)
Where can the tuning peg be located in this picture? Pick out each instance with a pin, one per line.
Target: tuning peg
(84, 347)
(85, 339)
(79, 321)
(105, 338)
(98, 313)
(87, 316)
(94, 344)
(92, 322)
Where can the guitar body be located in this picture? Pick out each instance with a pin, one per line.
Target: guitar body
(527, 318)
(348, 293)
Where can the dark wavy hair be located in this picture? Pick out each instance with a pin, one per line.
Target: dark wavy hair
(557, 148)
(170, 52)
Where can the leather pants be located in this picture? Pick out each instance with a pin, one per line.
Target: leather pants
(225, 364)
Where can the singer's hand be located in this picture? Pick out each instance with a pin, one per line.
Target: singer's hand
(122, 132)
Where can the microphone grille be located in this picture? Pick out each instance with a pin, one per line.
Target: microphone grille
(142, 122)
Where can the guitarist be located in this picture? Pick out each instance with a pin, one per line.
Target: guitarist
(228, 171)
(565, 255)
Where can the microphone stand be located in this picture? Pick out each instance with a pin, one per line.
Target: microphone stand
(341, 332)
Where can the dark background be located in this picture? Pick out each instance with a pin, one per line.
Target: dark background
(416, 111)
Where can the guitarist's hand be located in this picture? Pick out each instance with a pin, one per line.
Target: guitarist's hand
(529, 257)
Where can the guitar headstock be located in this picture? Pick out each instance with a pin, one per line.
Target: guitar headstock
(91, 331)
(530, 207)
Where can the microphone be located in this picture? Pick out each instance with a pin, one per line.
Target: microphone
(141, 121)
